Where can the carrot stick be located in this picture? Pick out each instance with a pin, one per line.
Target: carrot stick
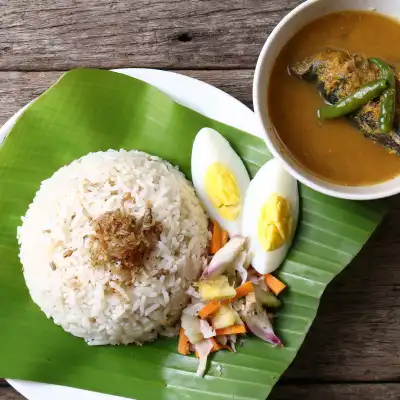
(243, 290)
(216, 244)
(183, 344)
(209, 308)
(231, 330)
(218, 346)
(224, 238)
(274, 283)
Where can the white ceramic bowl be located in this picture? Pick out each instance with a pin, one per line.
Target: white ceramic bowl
(291, 24)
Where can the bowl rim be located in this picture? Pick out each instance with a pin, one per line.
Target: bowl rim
(338, 191)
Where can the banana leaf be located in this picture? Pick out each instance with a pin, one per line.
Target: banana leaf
(91, 110)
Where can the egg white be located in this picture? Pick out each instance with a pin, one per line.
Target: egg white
(270, 179)
(210, 147)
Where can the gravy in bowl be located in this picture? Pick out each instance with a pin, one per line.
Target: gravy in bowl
(335, 150)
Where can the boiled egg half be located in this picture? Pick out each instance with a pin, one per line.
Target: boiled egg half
(271, 211)
(220, 179)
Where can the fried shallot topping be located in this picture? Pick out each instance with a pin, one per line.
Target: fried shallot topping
(124, 240)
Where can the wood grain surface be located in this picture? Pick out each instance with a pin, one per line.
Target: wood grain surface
(353, 348)
(179, 34)
(328, 391)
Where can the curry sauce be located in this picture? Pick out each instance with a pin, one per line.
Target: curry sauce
(334, 150)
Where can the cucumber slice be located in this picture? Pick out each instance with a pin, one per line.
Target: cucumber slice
(267, 299)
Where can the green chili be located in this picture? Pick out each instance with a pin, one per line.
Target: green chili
(388, 108)
(353, 102)
(388, 99)
(386, 72)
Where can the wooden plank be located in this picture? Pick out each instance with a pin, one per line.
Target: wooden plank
(328, 391)
(176, 34)
(355, 336)
(8, 393)
(18, 89)
(388, 391)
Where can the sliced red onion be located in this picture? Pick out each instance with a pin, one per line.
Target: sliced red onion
(203, 349)
(253, 277)
(270, 316)
(206, 329)
(247, 260)
(261, 330)
(224, 257)
(258, 281)
(256, 319)
(239, 266)
(193, 309)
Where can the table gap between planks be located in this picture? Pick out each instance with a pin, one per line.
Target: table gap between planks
(352, 350)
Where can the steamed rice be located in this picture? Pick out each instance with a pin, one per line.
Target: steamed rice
(94, 302)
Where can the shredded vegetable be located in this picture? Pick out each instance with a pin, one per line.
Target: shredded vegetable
(216, 244)
(206, 329)
(226, 258)
(230, 299)
(224, 238)
(218, 346)
(231, 330)
(256, 319)
(203, 349)
(209, 309)
(217, 288)
(243, 290)
(274, 284)
(224, 317)
(241, 267)
(191, 327)
(183, 344)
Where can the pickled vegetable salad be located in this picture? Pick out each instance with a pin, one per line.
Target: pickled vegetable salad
(260, 218)
(230, 300)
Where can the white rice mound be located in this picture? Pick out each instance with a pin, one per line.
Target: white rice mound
(94, 302)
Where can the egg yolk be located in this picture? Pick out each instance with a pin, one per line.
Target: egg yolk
(222, 190)
(275, 223)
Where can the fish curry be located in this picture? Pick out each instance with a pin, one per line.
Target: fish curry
(333, 98)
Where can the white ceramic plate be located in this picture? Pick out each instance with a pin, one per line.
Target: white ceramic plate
(192, 93)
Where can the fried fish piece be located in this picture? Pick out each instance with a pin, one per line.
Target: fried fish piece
(338, 74)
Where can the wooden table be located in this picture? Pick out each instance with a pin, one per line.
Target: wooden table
(353, 348)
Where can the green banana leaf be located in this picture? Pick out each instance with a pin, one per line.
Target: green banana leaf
(91, 110)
